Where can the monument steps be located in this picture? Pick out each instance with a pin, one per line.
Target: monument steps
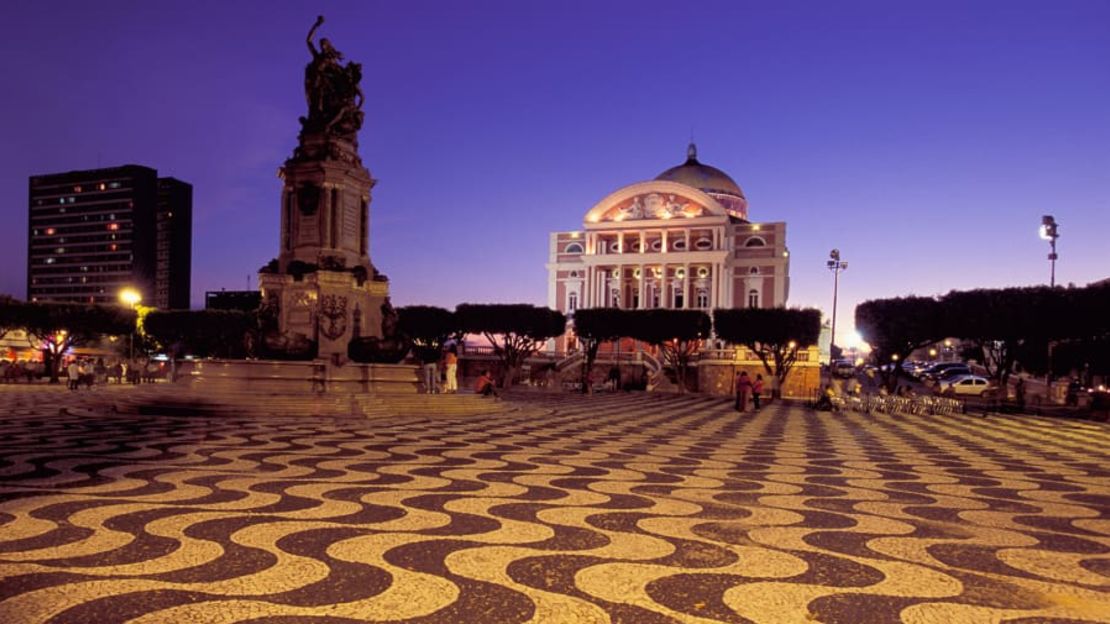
(179, 399)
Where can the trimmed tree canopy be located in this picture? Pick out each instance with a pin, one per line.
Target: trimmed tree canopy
(204, 333)
(428, 327)
(772, 326)
(775, 335)
(677, 333)
(660, 325)
(515, 331)
(61, 326)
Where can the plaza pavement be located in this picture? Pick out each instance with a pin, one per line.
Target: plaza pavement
(630, 508)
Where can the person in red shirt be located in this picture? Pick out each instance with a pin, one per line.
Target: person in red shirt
(757, 389)
(484, 386)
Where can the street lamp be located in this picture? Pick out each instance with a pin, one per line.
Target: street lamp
(1048, 233)
(131, 297)
(836, 265)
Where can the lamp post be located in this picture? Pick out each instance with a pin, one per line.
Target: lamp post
(131, 297)
(836, 265)
(1049, 233)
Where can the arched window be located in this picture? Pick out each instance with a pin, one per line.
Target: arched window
(573, 248)
(572, 302)
(755, 241)
(754, 271)
(753, 298)
(703, 298)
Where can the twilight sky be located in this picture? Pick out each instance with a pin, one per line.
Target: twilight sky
(924, 139)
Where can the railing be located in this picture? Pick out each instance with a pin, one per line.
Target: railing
(917, 406)
(654, 369)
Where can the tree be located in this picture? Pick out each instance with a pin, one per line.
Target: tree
(516, 331)
(204, 333)
(63, 326)
(1005, 324)
(897, 327)
(678, 334)
(12, 315)
(594, 326)
(774, 334)
(429, 328)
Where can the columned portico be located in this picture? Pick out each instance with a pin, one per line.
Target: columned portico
(682, 240)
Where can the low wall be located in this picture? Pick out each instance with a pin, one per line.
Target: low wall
(717, 378)
(274, 376)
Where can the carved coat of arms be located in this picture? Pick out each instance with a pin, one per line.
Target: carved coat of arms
(333, 316)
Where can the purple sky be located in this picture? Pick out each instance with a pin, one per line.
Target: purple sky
(924, 139)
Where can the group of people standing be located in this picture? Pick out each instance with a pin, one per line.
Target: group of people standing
(449, 377)
(747, 388)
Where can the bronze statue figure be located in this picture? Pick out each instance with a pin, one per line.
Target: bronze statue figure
(331, 90)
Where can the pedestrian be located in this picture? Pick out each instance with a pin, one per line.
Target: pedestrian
(452, 362)
(757, 389)
(1019, 393)
(73, 372)
(484, 386)
(614, 380)
(430, 380)
(743, 389)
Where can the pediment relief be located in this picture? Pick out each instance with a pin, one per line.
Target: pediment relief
(655, 206)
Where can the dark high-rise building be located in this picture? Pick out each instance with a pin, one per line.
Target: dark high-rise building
(173, 243)
(93, 233)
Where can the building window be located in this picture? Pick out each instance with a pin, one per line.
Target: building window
(703, 243)
(572, 302)
(573, 248)
(753, 298)
(679, 245)
(703, 298)
(679, 299)
(656, 245)
(753, 271)
(755, 241)
(635, 299)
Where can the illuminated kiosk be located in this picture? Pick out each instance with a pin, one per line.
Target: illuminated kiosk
(322, 291)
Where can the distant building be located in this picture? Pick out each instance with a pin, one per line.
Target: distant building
(245, 300)
(92, 233)
(681, 240)
(174, 241)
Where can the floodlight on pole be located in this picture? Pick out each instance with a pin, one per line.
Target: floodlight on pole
(131, 297)
(1049, 233)
(836, 265)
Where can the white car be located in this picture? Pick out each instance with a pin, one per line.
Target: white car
(965, 384)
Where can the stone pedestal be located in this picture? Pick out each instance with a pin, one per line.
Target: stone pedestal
(323, 287)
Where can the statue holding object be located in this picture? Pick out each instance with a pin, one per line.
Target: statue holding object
(332, 91)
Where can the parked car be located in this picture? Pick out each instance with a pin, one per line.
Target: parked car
(966, 385)
(955, 371)
(934, 372)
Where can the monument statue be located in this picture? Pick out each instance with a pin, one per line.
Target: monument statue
(331, 90)
(322, 290)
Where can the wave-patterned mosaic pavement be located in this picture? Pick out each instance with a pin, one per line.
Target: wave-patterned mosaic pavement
(629, 509)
